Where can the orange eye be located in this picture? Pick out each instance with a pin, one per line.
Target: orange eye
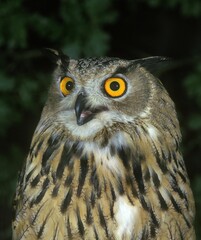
(115, 87)
(66, 85)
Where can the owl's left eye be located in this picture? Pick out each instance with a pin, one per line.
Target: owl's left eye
(115, 87)
(66, 85)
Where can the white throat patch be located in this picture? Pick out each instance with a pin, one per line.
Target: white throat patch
(91, 128)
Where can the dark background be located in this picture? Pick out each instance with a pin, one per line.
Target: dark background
(126, 29)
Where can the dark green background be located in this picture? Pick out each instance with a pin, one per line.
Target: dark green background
(126, 29)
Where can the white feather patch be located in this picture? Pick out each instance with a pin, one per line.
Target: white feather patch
(126, 217)
(152, 132)
(103, 157)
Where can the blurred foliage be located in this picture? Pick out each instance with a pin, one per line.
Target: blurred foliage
(193, 87)
(188, 7)
(85, 28)
(74, 25)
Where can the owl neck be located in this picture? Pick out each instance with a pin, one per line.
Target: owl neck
(129, 158)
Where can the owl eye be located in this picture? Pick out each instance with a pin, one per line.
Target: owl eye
(66, 85)
(115, 87)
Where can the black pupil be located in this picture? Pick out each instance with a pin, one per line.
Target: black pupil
(114, 86)
(69, 85)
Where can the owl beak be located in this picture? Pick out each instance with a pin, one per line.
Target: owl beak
(84, 113)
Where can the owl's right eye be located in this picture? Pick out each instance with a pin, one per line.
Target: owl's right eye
(66, 85)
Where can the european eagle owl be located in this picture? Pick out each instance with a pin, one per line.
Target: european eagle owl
(104, 161)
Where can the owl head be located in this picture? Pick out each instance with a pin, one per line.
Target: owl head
(88, 96)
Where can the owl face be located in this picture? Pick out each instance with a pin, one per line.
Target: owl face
(90, 94)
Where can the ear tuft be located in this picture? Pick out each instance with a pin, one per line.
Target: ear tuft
(155, 65)
(57, 56)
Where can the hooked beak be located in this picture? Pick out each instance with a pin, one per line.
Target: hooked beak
(84, 113)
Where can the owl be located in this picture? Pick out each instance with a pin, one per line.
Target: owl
(105, 162)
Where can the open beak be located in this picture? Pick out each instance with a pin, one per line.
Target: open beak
(84, 113)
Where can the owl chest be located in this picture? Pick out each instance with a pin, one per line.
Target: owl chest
(96, 202)
(83, 196)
